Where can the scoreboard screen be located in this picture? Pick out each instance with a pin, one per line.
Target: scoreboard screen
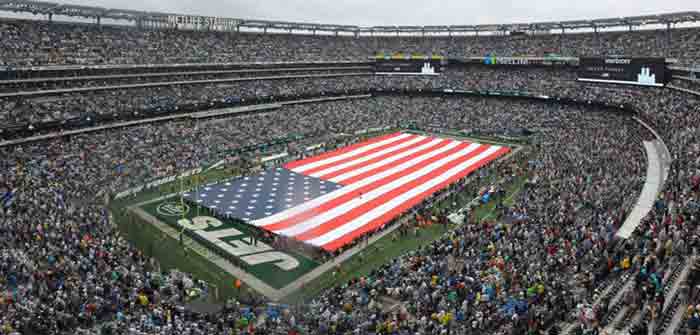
(634, 71)
(408, 66)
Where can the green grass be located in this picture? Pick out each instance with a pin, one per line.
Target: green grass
(371, 258)
(386, 249)
(207, 177)
(488, 211)
(170, 254)
(266, 272)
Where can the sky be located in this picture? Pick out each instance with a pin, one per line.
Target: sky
(404, 12)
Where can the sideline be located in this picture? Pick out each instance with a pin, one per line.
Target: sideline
(258, 285)
(252, 281)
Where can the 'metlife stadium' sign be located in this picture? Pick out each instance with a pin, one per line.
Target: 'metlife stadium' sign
(634, 71)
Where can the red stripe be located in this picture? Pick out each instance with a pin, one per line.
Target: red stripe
(369, 205)
(374, 224)
(331, 175)
(288, 222)
(366, 174)
(362, 154)
(300, 162)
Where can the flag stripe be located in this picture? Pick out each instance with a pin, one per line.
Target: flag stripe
(384, 159)
(376, 152)
(384, 213)
(386, 171)
(375, 200)
(339, 205)
(359, 151)
(367, 171)
(340, 195)
(292, 165)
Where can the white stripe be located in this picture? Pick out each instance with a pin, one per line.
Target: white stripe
(313, 203)
(378, 211)
(388, 160)
(364, 158)
(345, 207)
(348, 154)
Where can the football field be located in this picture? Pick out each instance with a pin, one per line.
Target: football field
(317, 203)
(328, 201)
(251, 256)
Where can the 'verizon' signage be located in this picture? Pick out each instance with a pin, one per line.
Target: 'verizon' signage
(634, 71)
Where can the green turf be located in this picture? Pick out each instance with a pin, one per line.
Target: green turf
(170, 253)
(388, 247)
(371, 258)
(268, 272)
(488, 211)
(207, 177)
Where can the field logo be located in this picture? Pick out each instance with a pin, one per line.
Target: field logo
(172, 209)
(242, 247)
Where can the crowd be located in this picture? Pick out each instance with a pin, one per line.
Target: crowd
(63, 266)
(671, 230)
(123, 103)
(126, 103)
(686, 84)
(521, 272)
(103, 106)
(64, 243)
(93, 81)
(678, 123)
(34, 43)
(60, 177)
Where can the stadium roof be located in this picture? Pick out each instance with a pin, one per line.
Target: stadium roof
(42, 7)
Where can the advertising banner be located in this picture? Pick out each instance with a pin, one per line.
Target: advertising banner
(634, 71)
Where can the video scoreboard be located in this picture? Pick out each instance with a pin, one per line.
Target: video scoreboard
(634, 71)
(409, 66)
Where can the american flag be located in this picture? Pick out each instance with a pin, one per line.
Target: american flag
(332, 199)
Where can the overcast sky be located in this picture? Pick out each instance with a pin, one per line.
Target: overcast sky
(405, 12)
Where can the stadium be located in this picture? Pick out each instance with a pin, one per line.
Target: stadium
(168, 173)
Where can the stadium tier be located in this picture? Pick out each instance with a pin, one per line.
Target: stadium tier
(158, 177)
(24, 45)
